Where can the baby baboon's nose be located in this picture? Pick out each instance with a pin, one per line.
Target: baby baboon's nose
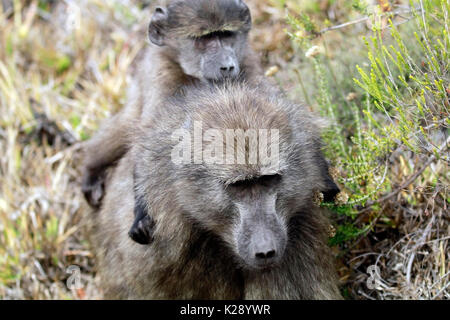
(227, 70)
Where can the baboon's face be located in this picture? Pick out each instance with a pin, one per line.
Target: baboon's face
(252, 215)
(259, 229)
(214, 56)
(250, 206)
(245, 214)
(207, 37)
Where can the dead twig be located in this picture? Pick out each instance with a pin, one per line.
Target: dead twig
(419, 244)
(343, 25)
(366, 18)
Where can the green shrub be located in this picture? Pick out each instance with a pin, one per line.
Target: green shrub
(396, 117)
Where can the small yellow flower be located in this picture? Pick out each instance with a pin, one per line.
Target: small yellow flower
(272, 71)
(342, 198)
(313, 52)
(334, 173)
(318, 198)
(300, 34)
(351, 96)
(331, 231)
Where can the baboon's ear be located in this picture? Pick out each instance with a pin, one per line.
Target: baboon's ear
(156, 29)
(331, 190)
(246, 11)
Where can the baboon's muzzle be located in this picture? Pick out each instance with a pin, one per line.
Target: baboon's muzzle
(262, 237)
(222, 64)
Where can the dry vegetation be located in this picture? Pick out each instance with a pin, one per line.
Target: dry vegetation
(63, 69)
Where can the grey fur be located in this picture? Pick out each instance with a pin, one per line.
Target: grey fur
(162, 69)
(203, 235)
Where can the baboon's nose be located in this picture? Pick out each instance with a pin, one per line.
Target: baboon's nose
(264, 249)
(227, 71)
(265, 255)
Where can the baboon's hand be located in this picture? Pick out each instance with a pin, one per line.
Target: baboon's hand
(142, 230)
(93, 188)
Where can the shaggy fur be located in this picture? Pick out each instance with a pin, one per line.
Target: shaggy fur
(195, 253)
(162, 70)
(209, 16)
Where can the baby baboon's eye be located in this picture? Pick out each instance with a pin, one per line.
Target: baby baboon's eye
(226, 34)
(211, 39)
(218, 34)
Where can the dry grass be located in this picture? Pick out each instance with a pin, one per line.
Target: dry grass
(75, 75)
(412, 257)
(59, 79)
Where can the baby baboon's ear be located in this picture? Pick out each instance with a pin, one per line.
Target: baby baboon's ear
(246, 14)
(157, 27)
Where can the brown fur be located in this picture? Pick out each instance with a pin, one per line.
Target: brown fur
(194, 252)
(188, 11)
(157, 75)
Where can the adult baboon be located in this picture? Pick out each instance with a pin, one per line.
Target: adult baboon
(192, 41)
(247, 230)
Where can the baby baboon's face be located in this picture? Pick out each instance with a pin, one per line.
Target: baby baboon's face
(208, 38)
(213, 56)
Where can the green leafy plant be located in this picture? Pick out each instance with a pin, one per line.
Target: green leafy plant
(403, 110)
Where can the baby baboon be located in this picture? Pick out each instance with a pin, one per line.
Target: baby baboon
(191, 41)
(229, 225)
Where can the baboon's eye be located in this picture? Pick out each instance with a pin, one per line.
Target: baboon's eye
(202, 42)
(266, 181)
(269, 180)
(218, 34)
